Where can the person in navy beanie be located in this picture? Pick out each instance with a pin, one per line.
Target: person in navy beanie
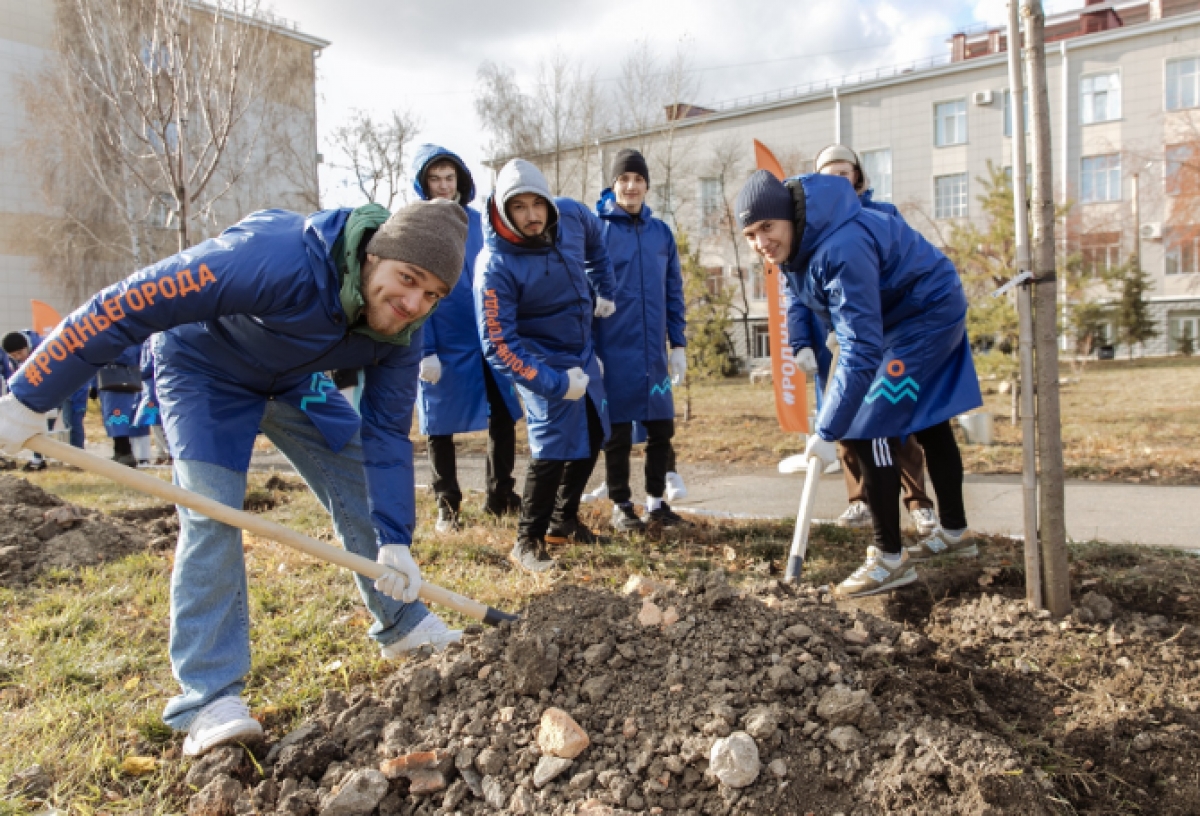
(899, 311)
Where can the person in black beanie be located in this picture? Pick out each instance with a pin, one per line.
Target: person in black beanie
(650, 316)
(899, 311)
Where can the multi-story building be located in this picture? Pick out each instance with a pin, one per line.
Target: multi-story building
(28, 44)
(1124, 89)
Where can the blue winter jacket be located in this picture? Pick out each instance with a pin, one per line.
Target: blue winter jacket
(458, 402)
(535, 322)
(249, 316)
(650, 312)
(119, 409)
(148, 413)
(898, 308)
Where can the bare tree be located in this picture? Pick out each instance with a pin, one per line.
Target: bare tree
(640, 92)
(592, 119)
(672, 152)
(557, 109)
(375, 153)
(726, 171)
(507, 113)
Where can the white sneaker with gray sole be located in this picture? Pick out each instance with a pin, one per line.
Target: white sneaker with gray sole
(431, 631)
(224, 720)
(875, 576)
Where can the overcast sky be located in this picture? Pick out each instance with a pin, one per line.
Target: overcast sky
(422, 56)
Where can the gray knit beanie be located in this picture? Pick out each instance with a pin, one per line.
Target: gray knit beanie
(428, 234)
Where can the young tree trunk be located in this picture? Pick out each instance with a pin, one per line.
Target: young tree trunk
(1049, 425)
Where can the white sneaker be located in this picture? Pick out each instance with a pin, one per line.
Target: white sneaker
(224, 720)
(676, 489)
(877, 575)
(596, 495)
(925, 520)
(431, 631)
(856, 515)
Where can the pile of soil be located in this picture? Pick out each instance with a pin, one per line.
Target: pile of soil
(39, 531)
(973, 706)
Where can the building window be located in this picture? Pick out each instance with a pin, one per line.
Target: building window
(758, 282)
(1101, 253)
(950, 123)
(762, 342)
(1100, 179)
(1183, 75)
(710, 205)
(877, 164)
(950, 196)
(1179, 170)
(1100, 97)
(715, 283)
(1008, 111)
(1182, 246)
(1183, 332)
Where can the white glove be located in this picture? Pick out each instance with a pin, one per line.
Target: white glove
(823, 449)
(17, 424)
(431, 369)
(807, 361)
(578, 384)
(677, 365)
(604, 307)
(403, 581)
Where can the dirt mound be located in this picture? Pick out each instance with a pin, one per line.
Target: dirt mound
(707, 699)
(39, 531)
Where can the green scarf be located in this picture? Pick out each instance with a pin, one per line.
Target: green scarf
(345, 253)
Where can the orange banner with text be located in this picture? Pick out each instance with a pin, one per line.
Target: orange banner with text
(791, 391)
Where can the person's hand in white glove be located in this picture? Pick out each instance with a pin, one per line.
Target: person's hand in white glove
(403, 580)
(17, 424)
(807, 361)
(823, 449)
(604, 308)
(578, 383)
(431, 369)
(677, 365)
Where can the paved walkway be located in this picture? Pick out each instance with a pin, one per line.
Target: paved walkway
(1142, 514)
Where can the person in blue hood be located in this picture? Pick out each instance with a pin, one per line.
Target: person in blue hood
(839, 160)
(120, 390)
(460, 392)
(541, 277)
(248, 323)
(899, 312)
(633, 343)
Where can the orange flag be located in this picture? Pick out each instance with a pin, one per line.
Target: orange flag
(791, 394)
(45, 317)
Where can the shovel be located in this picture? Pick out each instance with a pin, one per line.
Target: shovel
(145, 483)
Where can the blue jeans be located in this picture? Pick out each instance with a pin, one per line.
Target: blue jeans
(210, 615)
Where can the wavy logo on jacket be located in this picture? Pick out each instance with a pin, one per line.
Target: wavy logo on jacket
(117, 418)
(661, 389)
(893, 392)
(321, 386)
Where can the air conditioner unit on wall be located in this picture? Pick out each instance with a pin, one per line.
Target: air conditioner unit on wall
(1152, 231)
(981, 98)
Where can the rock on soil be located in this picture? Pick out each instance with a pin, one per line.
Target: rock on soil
(761, 699)
(39, 531)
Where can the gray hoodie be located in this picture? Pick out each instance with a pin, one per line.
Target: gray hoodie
(517, 177)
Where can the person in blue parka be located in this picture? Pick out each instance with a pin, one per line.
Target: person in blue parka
(899, 312)
(632, 344)
(120, 390)
(249, 322)
(148, 413)
(839, 160)
(460, 392)
(17, 347)
(541, 277)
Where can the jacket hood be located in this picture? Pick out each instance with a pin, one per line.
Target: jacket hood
(607, 207)
(426, 155)
(828, 203)
(517, 177)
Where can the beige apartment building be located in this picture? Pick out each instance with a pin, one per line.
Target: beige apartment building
(1124, 86)
(28, 44)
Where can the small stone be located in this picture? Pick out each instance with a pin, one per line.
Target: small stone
(595, 689)
(912, 644)
(778, 768)
(490, 762)
(670, 617)
(798, 632)
(594, 807)
(1100, 606)
(474, 781)
(582, 781)
(629, 729)
(858, 637)
(1143, 742)
(417, 761)
(841, 706)
(598, 653)
(650, 615)
(454, 795)
(734, 760)
(522, 803)
(494, 792)
(845, 738)
(358, 795)
(560, 735)
(761, 723)
(425, 781)
(548, 769)
(641, 586)
(217, 798)
(534, 664)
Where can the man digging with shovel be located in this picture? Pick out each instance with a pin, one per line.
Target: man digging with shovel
(249, 321)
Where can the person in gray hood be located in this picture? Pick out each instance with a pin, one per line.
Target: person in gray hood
(543, 274)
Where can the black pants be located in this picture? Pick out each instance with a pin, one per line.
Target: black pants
(501, 454)
(881, 481)
(554, 487)
(659, 458)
